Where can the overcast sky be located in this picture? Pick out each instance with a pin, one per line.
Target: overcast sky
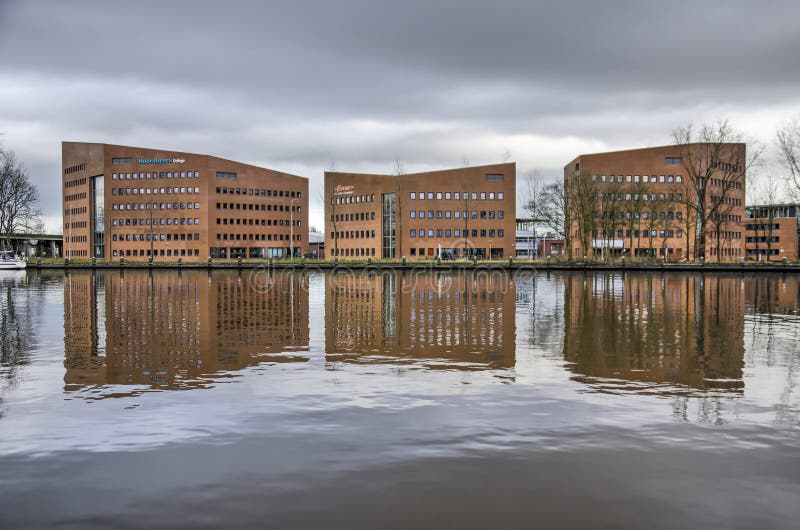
(297, 86)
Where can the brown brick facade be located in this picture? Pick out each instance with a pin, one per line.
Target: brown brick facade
(449, 213)
(639, 204)
(771, 239)
(135, 203)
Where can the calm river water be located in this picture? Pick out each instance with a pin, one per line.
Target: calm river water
(389, 400)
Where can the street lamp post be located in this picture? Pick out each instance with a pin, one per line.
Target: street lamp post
(291, 228)
(490, 250)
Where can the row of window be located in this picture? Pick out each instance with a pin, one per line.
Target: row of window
(258, 192)
(357, 216)
(730, 201)
(156, 206)
(154, 191)
(727, 217)
(256, 222)
(763, 239)
(353, 234)
(446, 232)
(643, 215)
(141, 252)
(456, 195)
(257, 237)
(354, 199)
(75, 196)
(73, 169)
(76, 182)
(638, 233)
(353, 252)
(726, 251)
(644, 196)
(762, 226)
(75, 224)
(730, 184)
(169, 221)
(156, 175)
(447, 214)
(75, 211)
(669, 179)
(155, 237)
(256, 207)
(762, 251)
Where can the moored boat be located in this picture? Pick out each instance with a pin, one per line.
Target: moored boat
(9, 261)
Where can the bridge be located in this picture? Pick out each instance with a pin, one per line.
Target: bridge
(42, 245)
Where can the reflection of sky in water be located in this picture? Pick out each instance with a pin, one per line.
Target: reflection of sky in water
(434, 399)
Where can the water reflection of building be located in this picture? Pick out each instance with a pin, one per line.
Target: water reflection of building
(632, 331)
(463, 320)
(174, 331)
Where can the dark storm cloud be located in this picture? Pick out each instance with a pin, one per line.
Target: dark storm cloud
(361, 82)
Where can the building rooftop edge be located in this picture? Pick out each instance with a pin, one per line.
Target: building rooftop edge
(183, 153)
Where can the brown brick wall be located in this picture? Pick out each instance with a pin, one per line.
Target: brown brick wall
(352, 199)
(180, 205)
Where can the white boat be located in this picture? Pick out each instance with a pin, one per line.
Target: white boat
(9, 261)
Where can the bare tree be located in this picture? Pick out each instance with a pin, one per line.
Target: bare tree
(716, 159)
(789, 145)
(547, 204)
(766, 195)
(580, 191)
(19, 198)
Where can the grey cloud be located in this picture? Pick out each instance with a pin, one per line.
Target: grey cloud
(298, 84)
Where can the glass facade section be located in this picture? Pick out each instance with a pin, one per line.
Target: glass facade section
(388, 200)
(98, 216)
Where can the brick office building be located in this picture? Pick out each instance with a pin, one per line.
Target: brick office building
(772, 232)
(644, 202)
(135, 203)
(451, 213)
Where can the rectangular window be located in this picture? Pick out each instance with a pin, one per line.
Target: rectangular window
(447, 195)
(413, 196)
(439, 195)
(672, 160)
(495, 177)
(224, 175)
(125, 160)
